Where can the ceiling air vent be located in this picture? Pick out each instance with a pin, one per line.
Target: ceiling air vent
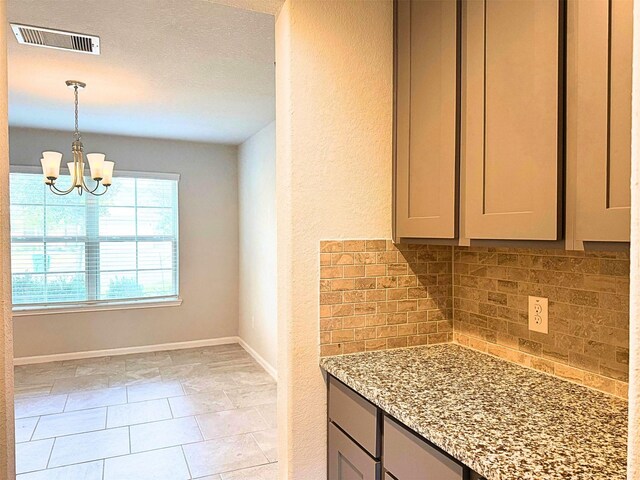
(59, 39)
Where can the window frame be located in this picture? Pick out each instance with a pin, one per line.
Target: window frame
(92, 267)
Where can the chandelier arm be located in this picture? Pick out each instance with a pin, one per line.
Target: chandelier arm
(100, 194)
(87, 189)
(92, 192)
(95, 189)
(57, 191)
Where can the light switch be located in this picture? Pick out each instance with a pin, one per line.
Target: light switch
(539, 314)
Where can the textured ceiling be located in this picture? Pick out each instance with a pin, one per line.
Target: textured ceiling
(265, 6)
(182, 69)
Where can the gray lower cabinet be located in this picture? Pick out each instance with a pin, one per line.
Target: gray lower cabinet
(408, 457)
(366, 444)
(355, 415)
(347, 461)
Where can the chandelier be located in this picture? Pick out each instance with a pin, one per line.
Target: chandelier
(101, 170)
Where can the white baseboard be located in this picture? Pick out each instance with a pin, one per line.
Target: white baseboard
(258, 358)
(128, 350)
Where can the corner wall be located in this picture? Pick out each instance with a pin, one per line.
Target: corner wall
(633, 457)
(7, 433)
(376, 295)
(334, 63)
(258, 315)
(208, 209)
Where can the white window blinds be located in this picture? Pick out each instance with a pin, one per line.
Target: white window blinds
(76, 249)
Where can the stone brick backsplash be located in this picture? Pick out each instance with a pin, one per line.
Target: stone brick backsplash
(588, 339)
(376, 295)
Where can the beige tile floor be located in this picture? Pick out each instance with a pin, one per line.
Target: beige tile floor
(206, 413)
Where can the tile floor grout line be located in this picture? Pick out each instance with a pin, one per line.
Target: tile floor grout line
(62, 466)
(50, 453)
(34, 429)
(244, 468)
(122, 455)
(184, 455)
(171, 409)
(200, 428)
(65, 402)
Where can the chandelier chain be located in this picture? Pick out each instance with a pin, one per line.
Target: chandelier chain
(77, 132)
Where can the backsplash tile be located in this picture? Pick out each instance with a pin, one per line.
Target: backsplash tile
(588, 339)
(376, 295)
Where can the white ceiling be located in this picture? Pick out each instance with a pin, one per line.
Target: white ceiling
(181, 69)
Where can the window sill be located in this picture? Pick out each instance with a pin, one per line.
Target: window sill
(56, 310)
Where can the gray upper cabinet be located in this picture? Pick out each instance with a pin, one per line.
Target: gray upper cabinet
(599, 117)
(427, 118)
(513, 146)
(513, 120)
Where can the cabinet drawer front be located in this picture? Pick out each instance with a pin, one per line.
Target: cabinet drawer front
(347, 461)
(476, 476)
(354, 415)
(408, 457)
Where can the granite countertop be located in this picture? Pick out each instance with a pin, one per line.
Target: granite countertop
(504, 421)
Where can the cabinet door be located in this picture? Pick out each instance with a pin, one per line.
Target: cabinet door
(427, 118)
(599, 120)
(513, 122)
(347, 461)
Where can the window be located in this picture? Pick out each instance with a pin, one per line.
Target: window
(76, 249)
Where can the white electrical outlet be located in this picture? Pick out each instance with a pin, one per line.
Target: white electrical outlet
(539, 314)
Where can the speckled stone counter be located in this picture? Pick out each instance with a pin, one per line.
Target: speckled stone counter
(504, 421)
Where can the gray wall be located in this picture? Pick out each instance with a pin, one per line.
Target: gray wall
(258, 321)
(208, 197)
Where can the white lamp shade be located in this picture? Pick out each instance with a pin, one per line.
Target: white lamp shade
(107, 172)
(50, 162)
(96, 164)
(47, 180)
(51, 154)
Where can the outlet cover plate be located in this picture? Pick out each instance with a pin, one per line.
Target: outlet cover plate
(539, 314)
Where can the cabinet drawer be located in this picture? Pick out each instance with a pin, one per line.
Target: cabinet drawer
(405, 454)
(347, 461)
(355, 415)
